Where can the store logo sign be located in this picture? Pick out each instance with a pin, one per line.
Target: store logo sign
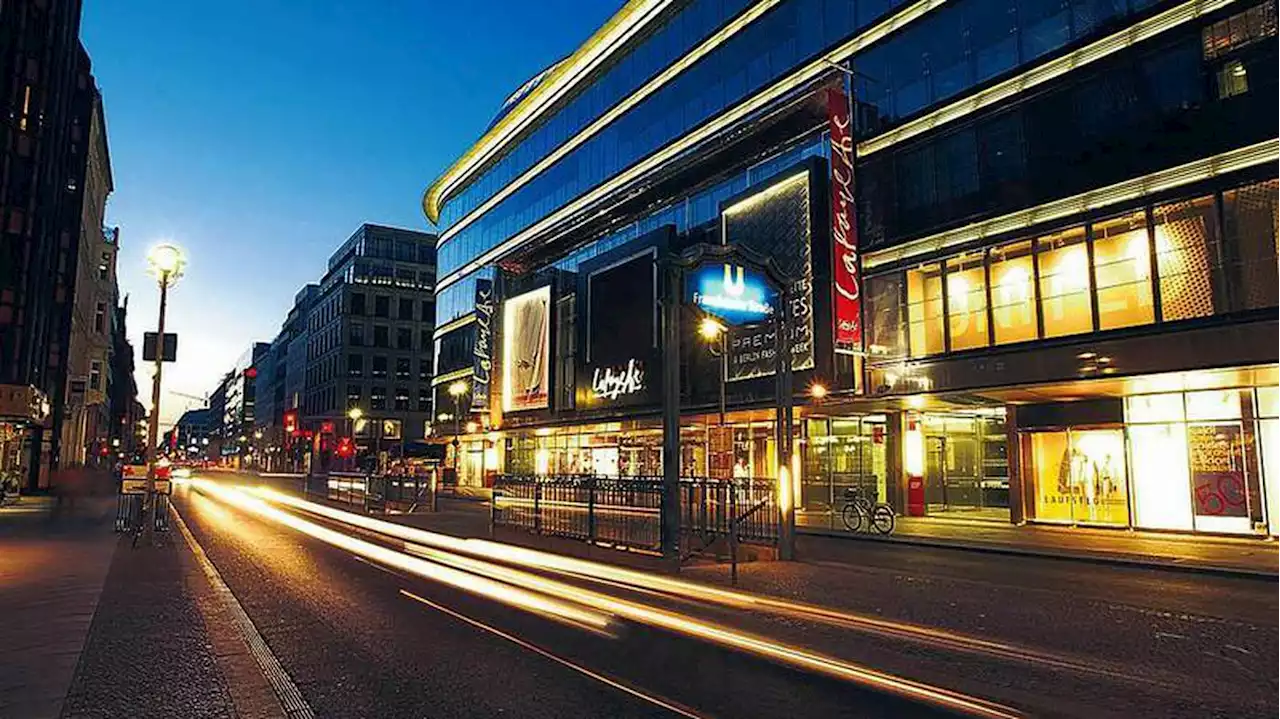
(847, 315)
(613, 382)
(482, 354)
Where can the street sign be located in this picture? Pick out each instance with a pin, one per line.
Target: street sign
(170, 347)
(134, 479)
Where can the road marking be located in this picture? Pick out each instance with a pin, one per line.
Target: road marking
(286, 691)
(652, 699)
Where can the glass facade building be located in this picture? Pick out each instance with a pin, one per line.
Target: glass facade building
(1066, 214)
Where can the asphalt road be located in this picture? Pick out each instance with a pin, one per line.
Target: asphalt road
(357, 645)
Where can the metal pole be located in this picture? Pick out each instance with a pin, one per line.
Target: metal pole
(153, 425)
(782, 433)
(671, 416)
(724, 372)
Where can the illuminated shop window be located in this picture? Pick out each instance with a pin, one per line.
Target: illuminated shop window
(1187, 248)
(1269, 439)
(1189, 463)
(924, 308)
(1078, 477)
(1122, 268)
(1064, 283)
(967, 301)
(1013, 293)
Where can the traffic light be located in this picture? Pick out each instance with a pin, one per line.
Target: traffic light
(345, 448)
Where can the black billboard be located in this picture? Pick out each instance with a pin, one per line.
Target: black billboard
(619, 363)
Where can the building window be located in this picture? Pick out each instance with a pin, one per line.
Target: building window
(100, 318)
(1187, 252)
(1065, 286)
(104, 266)
(95, 375)
(1078, 476)
(1250, 229)
(357, 303)
(424, 400)
(886, 317)
(391, 429)
(967, 301)
(924, 308)
(1239, 30)
(402, 368)
(378, 398)
(354, 395)
(424, 370)
(381, 336)
(357, 334)
(425, 341)
(402, 399)
(428, 311)
(404, 338)
(381, 306)
(355, 365)
(379, 368)
(1013, 306)
(1122, 269)
(1233, 80)
(406, 309)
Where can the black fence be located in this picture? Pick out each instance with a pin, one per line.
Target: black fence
(627, 511)
(373, 493)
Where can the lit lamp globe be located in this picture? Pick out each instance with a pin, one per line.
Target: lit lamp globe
(457, 389)
(710, 329)
(355, 413)
(165, 262)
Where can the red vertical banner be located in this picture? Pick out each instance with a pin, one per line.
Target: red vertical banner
(847, 309)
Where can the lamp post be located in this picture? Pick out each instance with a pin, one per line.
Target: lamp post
(165, 262)
(354, 414)
(456, 390)
(714, 333)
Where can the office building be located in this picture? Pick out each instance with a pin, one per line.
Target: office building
(1031, 250)
(369, 341)
(47, 97)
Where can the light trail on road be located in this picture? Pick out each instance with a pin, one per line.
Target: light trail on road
(457, 555)
(697, 592)
(572, 614)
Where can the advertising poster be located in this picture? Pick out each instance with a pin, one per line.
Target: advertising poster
(775, 222)
(526, 344)
(1217, 470)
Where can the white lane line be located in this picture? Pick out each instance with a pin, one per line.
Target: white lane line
(655, 700)
(286, 691)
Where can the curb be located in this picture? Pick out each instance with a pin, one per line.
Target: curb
(1095, 558)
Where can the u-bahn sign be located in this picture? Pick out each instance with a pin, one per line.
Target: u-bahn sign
(735, 294)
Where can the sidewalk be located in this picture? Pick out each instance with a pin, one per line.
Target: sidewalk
(1229, 555)
(91, 626)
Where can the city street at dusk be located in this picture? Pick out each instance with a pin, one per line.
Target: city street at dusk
(702, 358)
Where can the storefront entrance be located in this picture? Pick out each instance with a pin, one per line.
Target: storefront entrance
(966, 468)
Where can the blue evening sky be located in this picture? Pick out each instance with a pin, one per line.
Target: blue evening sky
(258, 134)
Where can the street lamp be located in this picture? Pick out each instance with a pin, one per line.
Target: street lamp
(164, 262)
(354, 414)
(818, 391)
(714, 333)
(456, 390)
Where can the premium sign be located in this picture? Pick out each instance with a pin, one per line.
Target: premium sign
(526, 344)
(482, 354)
(732, 293)
(610, 383)
(847, 314)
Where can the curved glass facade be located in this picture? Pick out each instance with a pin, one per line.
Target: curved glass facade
(672, 39)
(755, 57)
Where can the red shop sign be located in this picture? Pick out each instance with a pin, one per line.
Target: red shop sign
(847, 316)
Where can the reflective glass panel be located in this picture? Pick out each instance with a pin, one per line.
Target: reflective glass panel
(1013, 306)
(1065, 283)
(967, 301)
(924, 308)
(1122, 268)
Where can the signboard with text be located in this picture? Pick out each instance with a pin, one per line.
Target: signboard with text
(482, 354)
(619, 360)
(847, 309)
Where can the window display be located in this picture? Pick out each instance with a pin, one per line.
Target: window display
(1065, 283)
(1079, 477)
(1122, 267)
(967, 301)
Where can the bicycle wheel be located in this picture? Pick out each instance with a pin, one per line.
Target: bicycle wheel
(882, 518)
(852, 517)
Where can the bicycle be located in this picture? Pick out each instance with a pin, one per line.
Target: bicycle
(858, 509)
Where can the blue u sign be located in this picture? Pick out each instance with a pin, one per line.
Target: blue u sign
(734, 294)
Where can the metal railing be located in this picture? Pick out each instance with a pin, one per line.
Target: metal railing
(627, 511)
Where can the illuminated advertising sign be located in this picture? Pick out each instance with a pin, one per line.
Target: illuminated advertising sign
(482, 354)
(618, 311)
(847, 314)
(732, 293)
(526, 344)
